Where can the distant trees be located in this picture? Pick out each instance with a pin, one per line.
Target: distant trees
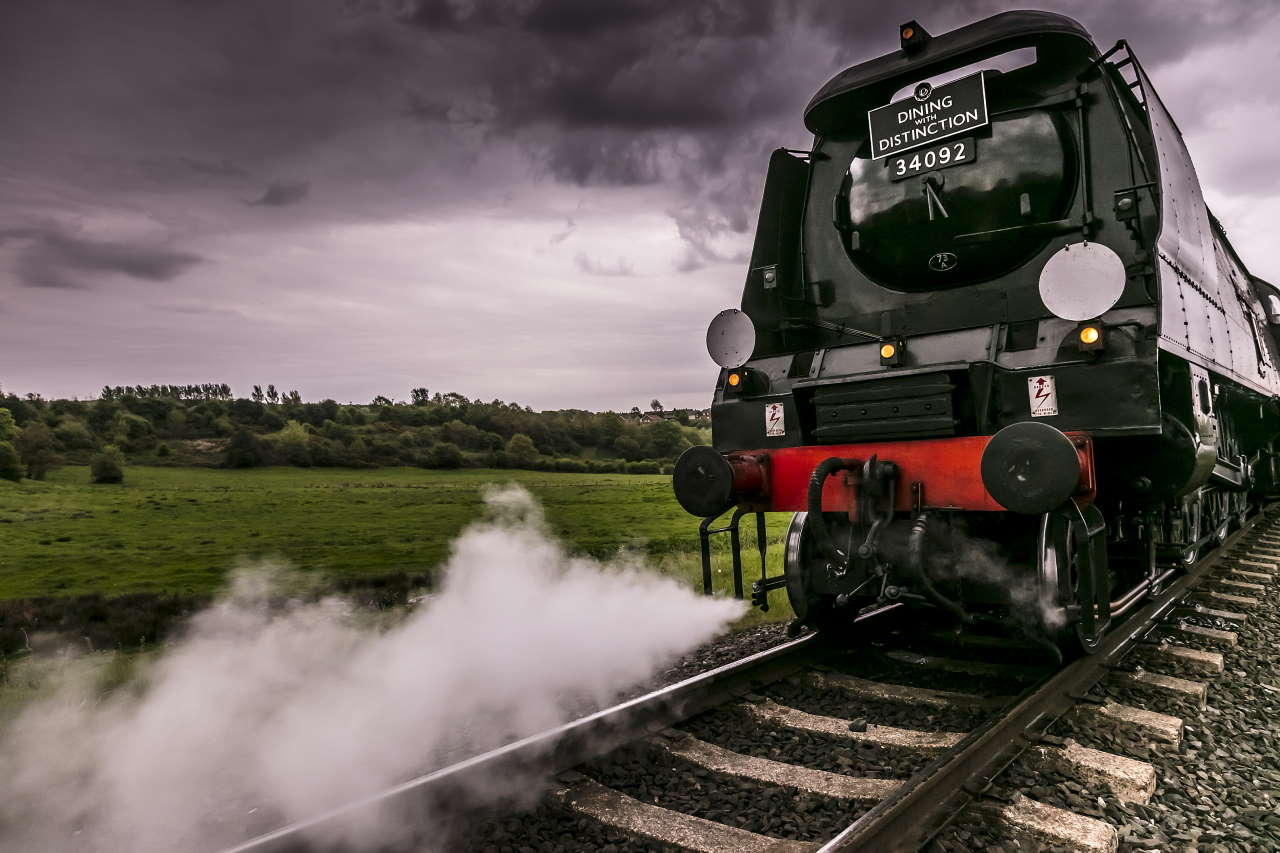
(430, 429)
(8, 426)
(107, 466)
(204, 391)
(10, 465)
(38, 449)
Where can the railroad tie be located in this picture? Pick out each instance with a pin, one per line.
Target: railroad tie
(1043, 824)
(1245, 574)
(1240, 586)
(1258, 564)
(1212, 613)
(1181, 687)
(824, 783)
(902, 694)
(1131, 781)
(1212, 635)
(1227, 598)
(1149, 725)
(771, 713)
(1208, 663)
(613, 808)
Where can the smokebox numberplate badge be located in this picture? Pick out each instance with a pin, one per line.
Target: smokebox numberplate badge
(1044, 396)
(929, 115)
(773, 420)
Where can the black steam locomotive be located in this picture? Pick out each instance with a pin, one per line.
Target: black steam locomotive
(989, 305)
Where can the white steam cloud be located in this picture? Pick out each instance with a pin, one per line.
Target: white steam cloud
(290, 710)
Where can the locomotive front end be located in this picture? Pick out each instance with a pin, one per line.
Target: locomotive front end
(951, 335)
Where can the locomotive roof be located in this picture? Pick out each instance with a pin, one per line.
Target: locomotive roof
(1009, 29)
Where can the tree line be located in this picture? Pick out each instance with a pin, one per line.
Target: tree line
(207, 424)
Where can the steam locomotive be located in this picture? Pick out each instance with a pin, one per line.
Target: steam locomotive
(988, 306)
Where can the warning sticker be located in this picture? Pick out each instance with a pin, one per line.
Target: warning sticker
(1044, 397)
(773, 422)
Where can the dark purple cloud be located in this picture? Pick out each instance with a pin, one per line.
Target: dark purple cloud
(282, 193)
(53, 258)
(480, 160)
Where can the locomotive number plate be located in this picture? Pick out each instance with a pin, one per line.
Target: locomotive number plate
(953, 153)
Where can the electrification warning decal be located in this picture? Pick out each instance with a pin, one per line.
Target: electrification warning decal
(1044, 396)
(773, 421)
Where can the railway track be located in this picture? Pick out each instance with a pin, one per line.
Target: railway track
(888, 747)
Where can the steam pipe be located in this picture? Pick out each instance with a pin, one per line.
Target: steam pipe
(1125, 603)
(915, 570)
(821, 536)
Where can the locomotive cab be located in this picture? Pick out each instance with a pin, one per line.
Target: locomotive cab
(959, 328)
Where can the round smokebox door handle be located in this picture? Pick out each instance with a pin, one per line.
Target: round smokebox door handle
(1030, 467)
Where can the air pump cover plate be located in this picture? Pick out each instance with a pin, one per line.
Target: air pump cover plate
(1030, 467)
(1082, 281)
(731, 338)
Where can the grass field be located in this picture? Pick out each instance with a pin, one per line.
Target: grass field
(180, 530)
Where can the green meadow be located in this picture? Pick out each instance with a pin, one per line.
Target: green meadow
(182, 530)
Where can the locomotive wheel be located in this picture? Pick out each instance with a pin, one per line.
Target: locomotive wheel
(817, 610)
(1193, 530)
(1058, 565)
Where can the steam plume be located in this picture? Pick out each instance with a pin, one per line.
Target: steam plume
(264, 709)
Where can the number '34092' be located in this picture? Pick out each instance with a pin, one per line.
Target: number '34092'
(934, 157)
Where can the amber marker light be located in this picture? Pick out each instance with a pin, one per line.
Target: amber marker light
(891, 352)
(735, 380)
(907, 33)
(1090, 337)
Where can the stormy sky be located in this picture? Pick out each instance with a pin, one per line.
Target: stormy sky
(535, 200)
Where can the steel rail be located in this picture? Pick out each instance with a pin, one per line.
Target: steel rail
(563, 747)
(928, 801)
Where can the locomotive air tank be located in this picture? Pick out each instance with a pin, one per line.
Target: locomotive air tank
(989, 305)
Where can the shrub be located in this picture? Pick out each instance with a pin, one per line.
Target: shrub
(627, 447)
(642, 468)
(571, 466)
(10, 466)
(163, 451)
(521, 451)
(446, 454)
(244, 451)
(107, 466)
(73, 434)
(134, 432)
(294, 444)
